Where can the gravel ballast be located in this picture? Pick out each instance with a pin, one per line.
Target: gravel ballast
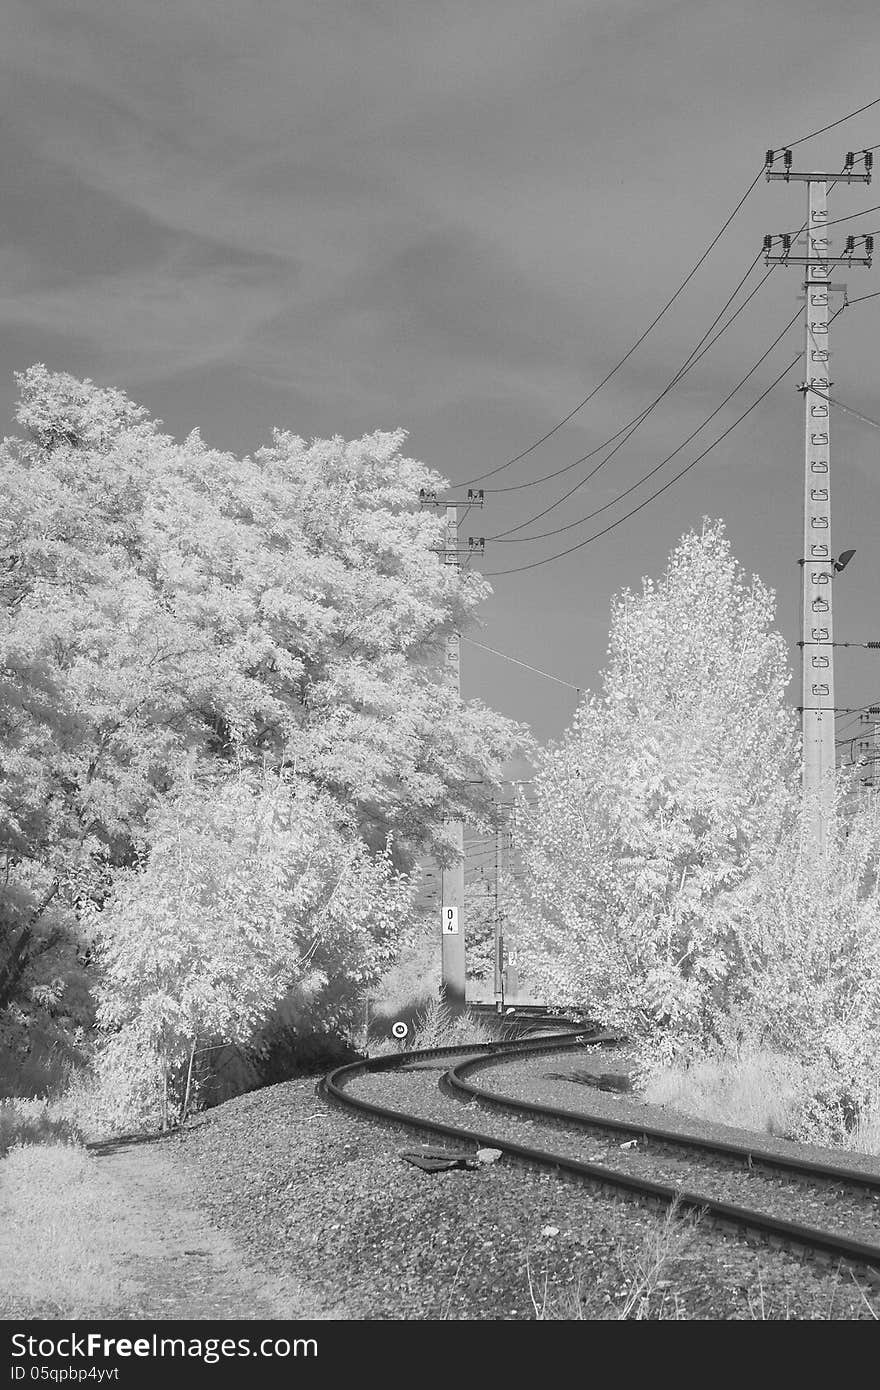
(849, 1213)
(536, 1078)
(311, 1191)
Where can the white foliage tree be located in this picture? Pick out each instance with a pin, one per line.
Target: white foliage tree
(249, 888)
(809, 932)
(666, 792)
(159, 598)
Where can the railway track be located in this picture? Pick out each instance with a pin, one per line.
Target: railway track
(418, 1091)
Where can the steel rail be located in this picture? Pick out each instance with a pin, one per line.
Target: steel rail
(751, 1154)
(333, 1087)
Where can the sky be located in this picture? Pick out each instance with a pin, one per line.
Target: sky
(348, 215)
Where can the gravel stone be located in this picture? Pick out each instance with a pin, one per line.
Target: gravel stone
(320, 1193)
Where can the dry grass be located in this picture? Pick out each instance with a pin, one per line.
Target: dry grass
(646, 1280)
(438, 1026)
(433, 1024)
(61, 1221)
(758, 1090)
(865, 1138)
(33, 1122)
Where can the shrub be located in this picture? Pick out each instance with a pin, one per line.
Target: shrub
(33, 1122)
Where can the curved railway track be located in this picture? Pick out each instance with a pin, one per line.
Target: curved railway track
(374, 1087)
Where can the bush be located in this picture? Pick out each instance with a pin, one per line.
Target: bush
(754, 1090)
(33, 1122)
(251, 891)
(807, 936)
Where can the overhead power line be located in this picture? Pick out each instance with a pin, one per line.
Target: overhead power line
(517, 662)
(548, 559)
(620, 520)
(689, 363)
(558, 530)
(628, 354)
(668, 305)
(637, 420)
(832, 400)
(848, 117)
(850, 217)
(862, 297)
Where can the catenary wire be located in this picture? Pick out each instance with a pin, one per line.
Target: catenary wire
(589, 539)
(517, 569)
(637, 420)
(862, 297)
(814, 133)
(832, 400)
(668, 305)
(616, 368)
(525, 664)
(850, 216)
(558, 530)
(682, 372)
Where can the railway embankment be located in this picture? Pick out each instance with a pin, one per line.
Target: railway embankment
(280, 1204)
(305, 1186)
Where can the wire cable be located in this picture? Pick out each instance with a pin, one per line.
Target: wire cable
(686, 367)
(627, 355)
(517, 662)
(814, 133)
(589, 539)
(832, 400)
(861, 298)
(668, 305)
(517, 569)
(849, 218)
(558, 530)
(637, 420)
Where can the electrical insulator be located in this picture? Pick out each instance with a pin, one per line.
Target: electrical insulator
(874, 709)
(869, 161)
(786, 158)
(768, 242)
(869, 245)
(769, 157)
(850, 160)
(874, 644)
(786, 243)
(850, 245)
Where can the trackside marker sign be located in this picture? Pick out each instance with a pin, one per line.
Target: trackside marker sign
(450, 921)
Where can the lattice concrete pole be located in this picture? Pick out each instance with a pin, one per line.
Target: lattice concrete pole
(498, 952)
(817, 633)
(452, 924)
(818, 616)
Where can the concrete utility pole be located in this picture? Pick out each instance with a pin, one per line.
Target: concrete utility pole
(452, 914)
(817, 564)
(452, 945)
(499, 931)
